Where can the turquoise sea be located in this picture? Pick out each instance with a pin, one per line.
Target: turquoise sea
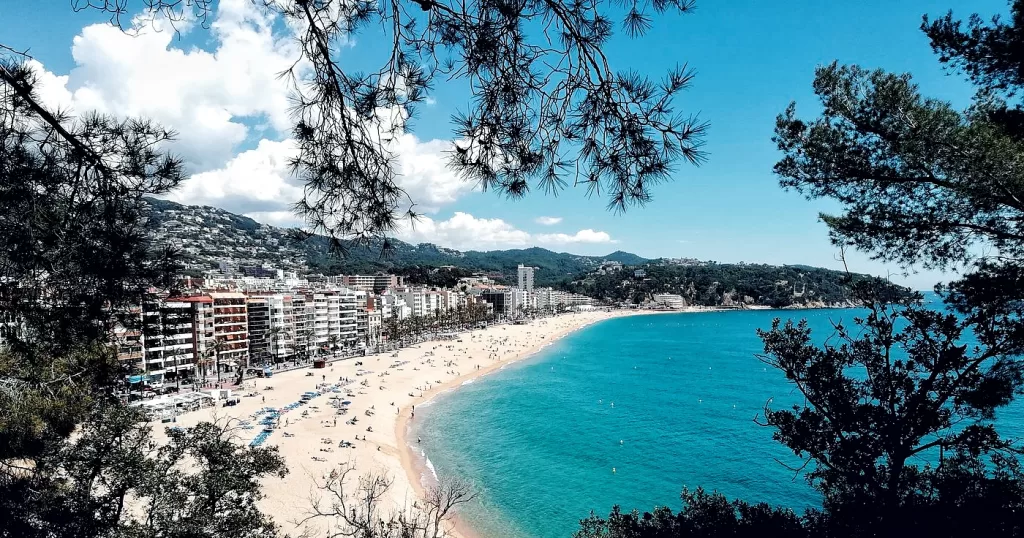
(664, 400)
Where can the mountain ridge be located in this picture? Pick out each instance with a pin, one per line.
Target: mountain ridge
(207, 235)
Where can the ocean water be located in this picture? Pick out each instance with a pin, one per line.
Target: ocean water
(624, 412)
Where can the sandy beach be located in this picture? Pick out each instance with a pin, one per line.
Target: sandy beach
(383, 391)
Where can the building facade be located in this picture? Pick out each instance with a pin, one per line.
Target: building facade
(230, 330)
(259, 325)
(525, 278)
(168, 344)
(669, 300)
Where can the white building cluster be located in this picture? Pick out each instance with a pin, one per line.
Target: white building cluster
(670, 300)
(225, 322)
(512, 302)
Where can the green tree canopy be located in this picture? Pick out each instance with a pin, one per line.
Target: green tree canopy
(75, 266)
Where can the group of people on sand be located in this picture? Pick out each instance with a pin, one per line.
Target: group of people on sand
(497, 349)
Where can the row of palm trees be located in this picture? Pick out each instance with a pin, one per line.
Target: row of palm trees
(396, 332)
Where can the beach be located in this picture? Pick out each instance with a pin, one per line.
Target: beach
(382, 390)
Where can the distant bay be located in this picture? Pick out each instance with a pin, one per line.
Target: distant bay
(664, 400)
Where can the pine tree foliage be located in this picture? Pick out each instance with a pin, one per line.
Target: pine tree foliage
(74, 266)
(547, 108)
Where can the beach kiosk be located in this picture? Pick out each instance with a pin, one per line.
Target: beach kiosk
(319, 363)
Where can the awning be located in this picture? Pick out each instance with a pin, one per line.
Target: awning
(137, 378)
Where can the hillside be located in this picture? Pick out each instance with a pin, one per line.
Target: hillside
(207, 235)
(713, 284)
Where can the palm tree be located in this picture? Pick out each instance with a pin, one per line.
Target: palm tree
(460, 315)
(274, 336)
(302, 336)
(219, 345)
(332, 343)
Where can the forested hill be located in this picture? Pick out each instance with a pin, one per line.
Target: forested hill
(713, 284)
(206, 235)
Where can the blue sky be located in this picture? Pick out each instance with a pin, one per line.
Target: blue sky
(751, 57)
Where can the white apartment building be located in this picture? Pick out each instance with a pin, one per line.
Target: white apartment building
(525, 278)
(334, 338)
(317, 322)
(285, 327)
(575, 299)
(450, 299)
(415, 299)
(349, 307)
(432, 303)
(374, 325)
(392, 305)
(520, 300)
(333, 317)
(302, 325)
(550, 299)
(670, 300)
(202, 333)
(167, 340)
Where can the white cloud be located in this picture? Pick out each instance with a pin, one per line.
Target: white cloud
(466, 232)
(206, 96)
(221, 101)
(424, 173)
(548, 221)
(258, 182)
(582, 236)
(255, 182)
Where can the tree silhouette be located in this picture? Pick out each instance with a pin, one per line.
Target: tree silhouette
(548, 109)
(75, 266)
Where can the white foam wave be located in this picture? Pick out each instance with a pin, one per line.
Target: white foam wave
(429, 465)
(468, 381)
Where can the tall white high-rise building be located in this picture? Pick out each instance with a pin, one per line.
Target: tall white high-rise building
(526, 278)
(348, 307)
(284, 330)
(333, 315)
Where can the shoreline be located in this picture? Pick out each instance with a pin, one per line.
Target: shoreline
(316, 437)
(320, 435)
(414, 464)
